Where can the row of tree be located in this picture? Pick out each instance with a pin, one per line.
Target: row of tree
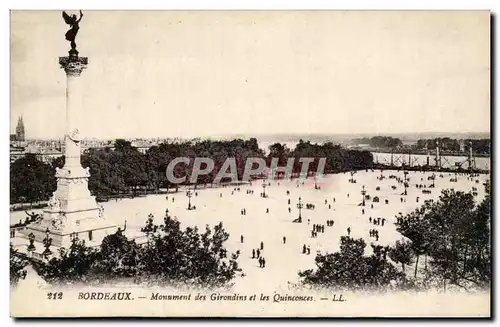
(453, 235)
(381, 141)
(124, 170)
(479, 146)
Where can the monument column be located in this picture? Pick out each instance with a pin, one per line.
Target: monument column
(72, 210)
(73, 67)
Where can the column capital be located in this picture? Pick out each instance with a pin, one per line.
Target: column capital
(73, 65)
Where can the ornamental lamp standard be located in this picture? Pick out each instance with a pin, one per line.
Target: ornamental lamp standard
(300, 205)
(363, 193)
(189, 195)
(406, 182)
(264, 189)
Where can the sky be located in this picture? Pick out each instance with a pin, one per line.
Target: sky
(209, 73)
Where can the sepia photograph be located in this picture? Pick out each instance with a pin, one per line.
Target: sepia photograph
(252, 163)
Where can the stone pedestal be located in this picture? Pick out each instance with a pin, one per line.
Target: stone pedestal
(72, 210)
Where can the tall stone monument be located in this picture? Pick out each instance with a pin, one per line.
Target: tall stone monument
(72, 210)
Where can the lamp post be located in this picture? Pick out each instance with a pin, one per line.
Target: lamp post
(264, 189)
(406, 182)
(189, 195)
(300, 205)
(363, 193)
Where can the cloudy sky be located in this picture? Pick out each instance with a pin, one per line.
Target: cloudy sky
(213, 73)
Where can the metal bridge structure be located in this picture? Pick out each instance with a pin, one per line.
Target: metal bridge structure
(436, 161)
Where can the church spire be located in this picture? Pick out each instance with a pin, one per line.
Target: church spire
(20, 133)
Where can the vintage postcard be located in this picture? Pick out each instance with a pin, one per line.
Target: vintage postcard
(250, 164)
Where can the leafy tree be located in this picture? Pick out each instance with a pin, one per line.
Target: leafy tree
(31, 180)
(402, 253)
(118, 257)
(415, 228)
(172, 256)
(455, 234)
(188, 256)
(71, 265)
(150, 227)
(350, 269)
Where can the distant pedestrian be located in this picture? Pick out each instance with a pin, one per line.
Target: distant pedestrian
(258, 253)
(308, 250)
(253, 253)
(304, 250)
(262, 245)
(241, 238)
(348, 231)
(284, 239)
(263, 262)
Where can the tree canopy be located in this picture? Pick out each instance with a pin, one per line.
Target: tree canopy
(171, 255)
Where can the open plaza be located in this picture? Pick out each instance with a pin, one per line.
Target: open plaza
(268, 221)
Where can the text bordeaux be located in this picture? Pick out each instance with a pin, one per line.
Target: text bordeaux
(105, 296)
